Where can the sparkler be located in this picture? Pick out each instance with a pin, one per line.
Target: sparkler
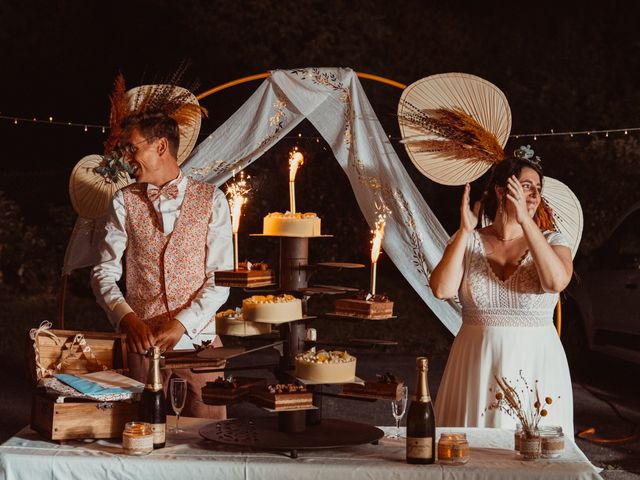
(295, 160)
(237, 198)
(376, 245)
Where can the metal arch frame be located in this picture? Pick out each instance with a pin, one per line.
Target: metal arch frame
(259, 76)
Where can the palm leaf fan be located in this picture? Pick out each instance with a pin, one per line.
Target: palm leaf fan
(92, 185)
(454, 126)
(176, 102)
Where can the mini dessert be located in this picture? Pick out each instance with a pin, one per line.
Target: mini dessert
(231, 322)
(272, 308)
(232, 389)
(283, 397)
(385, 387)
(365, 306)
(291, 224)
(247, 275)
(326, 367)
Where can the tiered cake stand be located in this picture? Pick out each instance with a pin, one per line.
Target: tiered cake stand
(299, 429)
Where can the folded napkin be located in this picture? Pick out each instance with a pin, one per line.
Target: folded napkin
(106, 384)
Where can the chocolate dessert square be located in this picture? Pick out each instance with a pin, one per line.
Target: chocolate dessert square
(364, 308)
(283, 397)
(224, 391)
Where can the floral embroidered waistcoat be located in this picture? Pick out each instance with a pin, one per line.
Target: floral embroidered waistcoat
(165, 271)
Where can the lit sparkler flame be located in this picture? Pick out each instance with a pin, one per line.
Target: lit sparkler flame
(378, 235)
(295, 160)
(376, 242)
(237, 198)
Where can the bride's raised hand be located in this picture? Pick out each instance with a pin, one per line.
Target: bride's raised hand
(468, 217)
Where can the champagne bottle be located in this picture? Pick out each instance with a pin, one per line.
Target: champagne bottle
(152, 403)
(421, 423)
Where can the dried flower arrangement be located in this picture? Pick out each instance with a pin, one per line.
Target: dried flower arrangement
(526, 406)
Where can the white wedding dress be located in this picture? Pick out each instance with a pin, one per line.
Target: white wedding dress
(507, 328)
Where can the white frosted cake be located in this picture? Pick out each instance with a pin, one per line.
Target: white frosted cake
(291, 224)
(326, 366)
(272, 308)
(231, 322)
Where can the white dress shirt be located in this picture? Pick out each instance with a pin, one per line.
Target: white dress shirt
(219, 256)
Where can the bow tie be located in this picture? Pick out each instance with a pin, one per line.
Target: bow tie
(169, 191)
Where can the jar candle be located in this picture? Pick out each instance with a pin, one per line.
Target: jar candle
(137, 438)
(552, 441)
(453, 449)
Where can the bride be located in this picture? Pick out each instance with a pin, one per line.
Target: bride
(507, 276)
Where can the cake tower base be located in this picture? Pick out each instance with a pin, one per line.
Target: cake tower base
(262, 433)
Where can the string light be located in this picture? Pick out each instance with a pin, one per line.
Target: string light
(534, 135)
(50, 121)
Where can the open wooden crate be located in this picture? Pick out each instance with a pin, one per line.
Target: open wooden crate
(78, 418)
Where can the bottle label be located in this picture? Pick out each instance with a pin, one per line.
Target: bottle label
(159, 432)
(420, 447)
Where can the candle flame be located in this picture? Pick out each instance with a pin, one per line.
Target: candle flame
(376, 243)
(295, 160)
(237, 198)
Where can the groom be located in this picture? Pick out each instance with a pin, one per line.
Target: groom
(173, 233)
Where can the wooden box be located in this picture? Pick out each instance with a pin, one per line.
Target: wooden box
(78, 418)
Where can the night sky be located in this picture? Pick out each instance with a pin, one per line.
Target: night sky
(566, 66)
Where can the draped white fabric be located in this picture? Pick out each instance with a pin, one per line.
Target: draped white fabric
(333, 100)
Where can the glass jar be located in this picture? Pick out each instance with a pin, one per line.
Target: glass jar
(453, 449)
(530, 444)
(516, 438)
(137, 438)
(552, 441)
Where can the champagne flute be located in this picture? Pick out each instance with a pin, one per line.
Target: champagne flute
(398, 409)
(178, 393)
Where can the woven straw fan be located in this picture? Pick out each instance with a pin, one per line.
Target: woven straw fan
(91, 192)
(188, 125)
(567, 212)
(477, 98)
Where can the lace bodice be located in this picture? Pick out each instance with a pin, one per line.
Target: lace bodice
(517, 301)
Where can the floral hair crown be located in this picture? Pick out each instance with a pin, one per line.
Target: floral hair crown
(525, 152)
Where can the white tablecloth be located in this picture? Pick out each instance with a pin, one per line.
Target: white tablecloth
(26, 456)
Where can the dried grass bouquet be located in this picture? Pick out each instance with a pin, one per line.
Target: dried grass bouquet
(525, 406)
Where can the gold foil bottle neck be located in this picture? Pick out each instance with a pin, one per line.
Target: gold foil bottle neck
(422, 363)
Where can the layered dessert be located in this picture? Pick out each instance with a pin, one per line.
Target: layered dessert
(283, 397)
(272, 308)
(365, 305)
(385, 387)
(291, 224)
(232, 389)
(248, 274)
(231, 322)
(325, 366)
